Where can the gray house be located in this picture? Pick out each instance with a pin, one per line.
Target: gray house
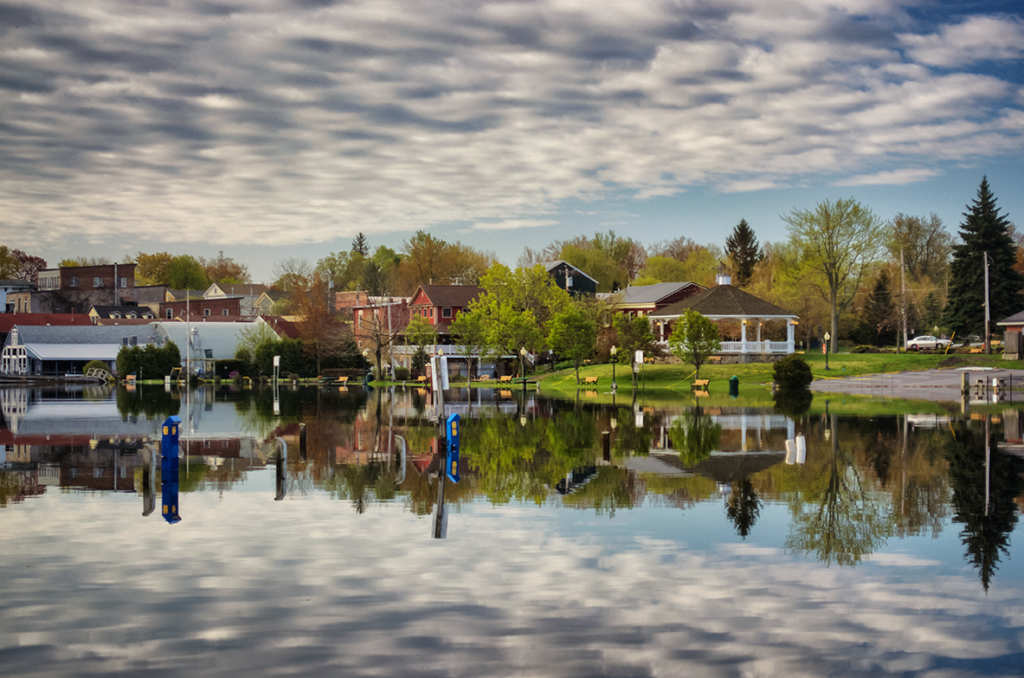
(55, 351)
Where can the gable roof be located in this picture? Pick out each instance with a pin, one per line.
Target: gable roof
(650, 294)
(91, 334)
(124, 311)
(552, 265)
(725, 301)
(450, 295)
(1015, 319)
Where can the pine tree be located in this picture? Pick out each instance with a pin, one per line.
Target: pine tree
(932, 313)
(983, 230)
(360, 245)
(742, 246)
(878, 322)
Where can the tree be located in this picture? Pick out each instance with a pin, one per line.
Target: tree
(152, 269)
(741, 246)
(226, 270)
(323, 335)
(744, 506)
(925, 244)
(984, 230)
(420, 333)
(18, 265)
(632, 335)
(879, 319)
(185, 272)
(291, 273)
(468, 331)
(9, 264)
(250, 342)
(573, 334)
(838, 241)
(694, 339)
(360, 246)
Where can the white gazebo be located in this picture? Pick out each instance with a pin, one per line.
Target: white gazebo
(727, 303)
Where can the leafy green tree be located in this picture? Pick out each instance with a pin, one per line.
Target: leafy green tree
(185, 272)
(741, 246)
(925, 244)
(152, 269)
(420, 333)
(9, 264)
(694, 339)
(573, 334)
(468, 331)
(837, 241)
(984, 230)
(695, 436)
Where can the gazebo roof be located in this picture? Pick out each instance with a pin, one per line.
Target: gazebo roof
(724, 301)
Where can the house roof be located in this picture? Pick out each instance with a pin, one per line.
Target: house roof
(283, 326)
(106, 311)
(90, 334)
(1015, 319)
(221, 338)
(551, 265)
(239, 289)
(24, 284)
(450, 295)
(724, 301)
(9, 320)
(650, 294)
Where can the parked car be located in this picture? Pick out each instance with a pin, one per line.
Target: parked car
(928, 342)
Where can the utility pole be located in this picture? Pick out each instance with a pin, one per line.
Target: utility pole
(988, 314)
(903, 279)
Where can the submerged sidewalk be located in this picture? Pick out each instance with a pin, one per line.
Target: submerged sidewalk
(937, 385)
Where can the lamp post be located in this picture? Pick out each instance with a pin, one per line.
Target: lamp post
(522, 366)
(828, 337)
(614, 351)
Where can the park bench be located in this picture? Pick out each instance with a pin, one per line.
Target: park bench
(590, 380)
(341, 381)
(977, 350)
(422, 379)
(700, 385)
(715, 359)
(505, 379)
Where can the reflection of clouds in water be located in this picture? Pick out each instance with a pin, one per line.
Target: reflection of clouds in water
(245, 584)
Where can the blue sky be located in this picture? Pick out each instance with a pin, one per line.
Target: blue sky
(272, 129)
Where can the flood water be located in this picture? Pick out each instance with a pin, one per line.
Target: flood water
(313, 533)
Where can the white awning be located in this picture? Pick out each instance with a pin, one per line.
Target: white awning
(73, 351)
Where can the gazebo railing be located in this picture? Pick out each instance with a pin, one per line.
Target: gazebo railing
(756, 347)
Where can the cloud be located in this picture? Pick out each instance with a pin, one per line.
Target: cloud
(892, 178)
(303, 122)
(977, 38)
(509, 224)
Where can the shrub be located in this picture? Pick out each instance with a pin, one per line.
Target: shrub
(792, 374)
(95, 363)
(401, 373)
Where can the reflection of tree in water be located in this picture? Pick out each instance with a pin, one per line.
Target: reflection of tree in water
(695, 435)
(353, 481)
(986, 534)
(609, 489)
(744, 506)
(836, 519)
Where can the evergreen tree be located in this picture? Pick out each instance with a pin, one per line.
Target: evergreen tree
(742, 246)
(932, 313)
(878, 321)
(984, 230)
(360, 245)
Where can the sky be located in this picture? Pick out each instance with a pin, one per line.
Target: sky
(272, 129)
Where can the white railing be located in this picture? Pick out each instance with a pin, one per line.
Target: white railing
(756, 347)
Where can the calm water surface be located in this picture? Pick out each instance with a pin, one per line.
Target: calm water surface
(315, 538)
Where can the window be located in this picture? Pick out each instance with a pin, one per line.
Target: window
(97, 472)
(73, 282)
(115, 314)
(223, 311)
(568, 281)
(123, 282)
(74, 472)
(124, 341)
(206, 311)
(97, 282)
(168, 314)
(133, 341)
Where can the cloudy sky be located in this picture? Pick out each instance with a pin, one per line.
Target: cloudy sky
(273, 128)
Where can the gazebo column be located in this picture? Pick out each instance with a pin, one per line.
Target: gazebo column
(760, 347)
(743, 336)
(790, 325)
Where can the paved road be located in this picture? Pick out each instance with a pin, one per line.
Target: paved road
(941, 385)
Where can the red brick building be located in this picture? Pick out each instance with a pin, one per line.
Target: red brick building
(198, 309)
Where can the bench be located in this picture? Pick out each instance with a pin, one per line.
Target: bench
(421, 379)
(506, 379)
(342, 381)
(590, 380)
(977, 350)
(715, 359)
(700, 385)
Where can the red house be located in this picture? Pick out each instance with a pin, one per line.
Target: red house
(441, 304)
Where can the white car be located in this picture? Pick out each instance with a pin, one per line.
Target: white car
(929, 342)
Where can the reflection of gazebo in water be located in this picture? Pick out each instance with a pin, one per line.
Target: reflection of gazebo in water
(725, 303)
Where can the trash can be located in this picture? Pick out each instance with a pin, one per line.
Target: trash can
(734, 386)
(367, 378)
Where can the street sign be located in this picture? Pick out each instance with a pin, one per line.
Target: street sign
(452, 432)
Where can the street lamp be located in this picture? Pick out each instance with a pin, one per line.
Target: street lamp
(825, 348)
(614, 351)
(522, 366)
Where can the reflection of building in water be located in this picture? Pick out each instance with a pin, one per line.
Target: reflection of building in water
(76, 437)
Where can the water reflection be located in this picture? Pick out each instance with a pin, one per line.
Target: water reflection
(863, 480)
